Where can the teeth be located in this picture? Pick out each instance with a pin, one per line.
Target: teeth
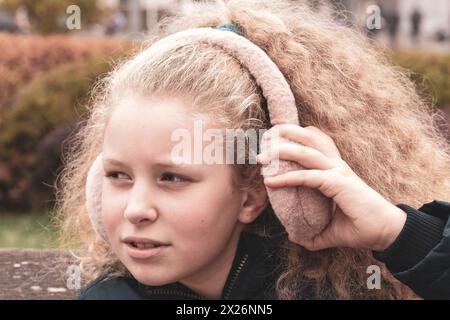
(144, 245)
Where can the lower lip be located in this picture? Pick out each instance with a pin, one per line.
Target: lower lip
(144, 253)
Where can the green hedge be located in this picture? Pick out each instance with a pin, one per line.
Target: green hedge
(24, 57)
(51, 103)
(431, 73)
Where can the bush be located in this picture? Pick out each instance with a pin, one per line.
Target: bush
(43, 115)
(431, 73)
(44, 80)
(25, 57)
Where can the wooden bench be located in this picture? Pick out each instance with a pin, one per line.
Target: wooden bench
(37, 274)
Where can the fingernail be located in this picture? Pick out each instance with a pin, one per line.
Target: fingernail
(268, 179)
(262, 159)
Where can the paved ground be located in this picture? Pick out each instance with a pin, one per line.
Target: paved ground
(36, 274)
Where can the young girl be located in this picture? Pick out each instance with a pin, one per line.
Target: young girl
(215, 232)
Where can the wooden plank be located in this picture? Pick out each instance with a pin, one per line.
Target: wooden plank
(37, 274)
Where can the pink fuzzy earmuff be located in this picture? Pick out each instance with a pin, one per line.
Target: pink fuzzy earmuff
(304, 212)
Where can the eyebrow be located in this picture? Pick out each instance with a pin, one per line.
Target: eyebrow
(115, 162)
(158, 164)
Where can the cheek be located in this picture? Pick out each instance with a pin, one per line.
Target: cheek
(204, 212)
(113, 204)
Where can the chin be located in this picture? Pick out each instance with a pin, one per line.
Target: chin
(152, 279)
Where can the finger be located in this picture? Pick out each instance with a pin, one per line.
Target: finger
(319, 242)
(326, 143)
(328, 238)
(316, 130)
(323, 180)
(305, 156)
(290, 131)
(309, 136)
(307, 178)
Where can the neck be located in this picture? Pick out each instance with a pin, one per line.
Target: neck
(210, 282)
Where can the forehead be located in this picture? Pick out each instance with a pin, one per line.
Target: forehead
(151, 112)
(144, 123)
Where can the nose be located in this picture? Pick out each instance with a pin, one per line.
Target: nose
(140, 208)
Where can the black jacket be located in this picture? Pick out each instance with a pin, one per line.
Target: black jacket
(420, 256)
(252, 276)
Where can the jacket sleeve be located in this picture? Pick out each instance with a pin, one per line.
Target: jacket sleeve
(420, 256)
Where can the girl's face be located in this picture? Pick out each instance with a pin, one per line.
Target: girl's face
(192, 209)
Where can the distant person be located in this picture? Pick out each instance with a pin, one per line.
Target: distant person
(392, 20)
(416, 20)
(21, 19)
(117, 23)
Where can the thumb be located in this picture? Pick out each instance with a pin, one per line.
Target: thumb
(319, 242)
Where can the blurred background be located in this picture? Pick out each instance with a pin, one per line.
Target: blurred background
(52, 51)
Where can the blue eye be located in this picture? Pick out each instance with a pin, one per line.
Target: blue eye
(173, 178)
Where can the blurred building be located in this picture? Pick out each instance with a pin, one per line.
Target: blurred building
(140, 15)
(407, 23)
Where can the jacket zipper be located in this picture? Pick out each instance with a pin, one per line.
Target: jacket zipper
(176, 293)
(235, 276)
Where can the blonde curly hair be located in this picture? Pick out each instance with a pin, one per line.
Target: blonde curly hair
(342, 85)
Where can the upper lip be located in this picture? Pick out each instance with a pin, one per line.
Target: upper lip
(143, 240)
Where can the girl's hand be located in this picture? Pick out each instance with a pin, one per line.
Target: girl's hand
(362, 219)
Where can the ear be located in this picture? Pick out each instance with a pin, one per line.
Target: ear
(254, 202)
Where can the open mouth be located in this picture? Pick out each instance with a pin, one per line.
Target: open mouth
(141, 245)
(144, 250)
